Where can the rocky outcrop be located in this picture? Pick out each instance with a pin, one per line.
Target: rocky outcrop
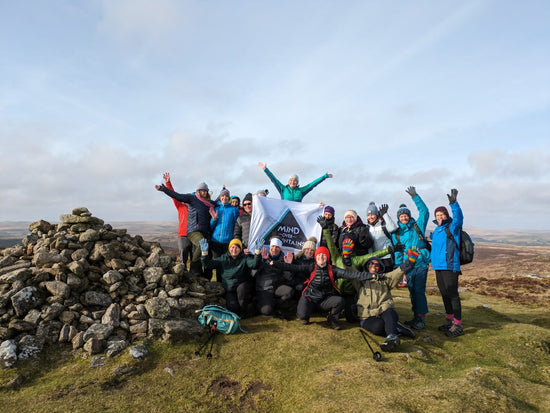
(98, 288)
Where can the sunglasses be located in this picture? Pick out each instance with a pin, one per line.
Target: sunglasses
(247, 204)
(374, 264)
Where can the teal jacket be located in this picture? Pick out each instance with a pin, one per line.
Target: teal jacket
(293, 194)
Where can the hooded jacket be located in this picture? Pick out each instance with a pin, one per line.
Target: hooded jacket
(445, 254)
(224, 224)
(410, 238)
(199, 216)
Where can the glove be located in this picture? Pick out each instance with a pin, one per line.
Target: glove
(347, 249)
(258, 246)
(383, 209)
(452, 197)
(396, 248)
(411, 190)
(413, 254)
(322, 221)
(204, 245)
(406, 266)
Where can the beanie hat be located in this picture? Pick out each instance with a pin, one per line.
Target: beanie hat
(441, 209)
(322, 250)
(372, 209)
(224, 192)
(276, 242)
(247, 197)
(403, 210)
(237, 242)
(329, 209)
(236, 197)
(263, 192)
(295, 177)
(350, 212)
(310, 243)
(202, 187)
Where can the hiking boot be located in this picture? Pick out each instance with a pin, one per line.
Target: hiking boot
(333, 322)
(446, 326)
(417, 323)
(304, 322)
(391, 344)
(405, 331)
(455, 330)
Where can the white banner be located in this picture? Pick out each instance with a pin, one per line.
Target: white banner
(293, 222)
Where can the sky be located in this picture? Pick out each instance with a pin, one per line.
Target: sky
(98, 98)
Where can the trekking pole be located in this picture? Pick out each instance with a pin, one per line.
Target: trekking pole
(210, 339)
(375, 355)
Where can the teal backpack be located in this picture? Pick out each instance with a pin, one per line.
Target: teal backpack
(220, 318)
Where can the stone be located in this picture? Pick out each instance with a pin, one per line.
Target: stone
(8, 353)
(25, 300)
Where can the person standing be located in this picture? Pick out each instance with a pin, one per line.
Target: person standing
(222, 224)
(292, 191)
(410, 233)
(201, 210)
(241, 230)
(185, 247)
(381, 226)
(332, 227)
(446, 262)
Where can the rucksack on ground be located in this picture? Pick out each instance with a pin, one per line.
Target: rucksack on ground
(225, 321)
(466, 246)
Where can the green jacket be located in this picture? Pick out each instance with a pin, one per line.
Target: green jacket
(234, 271)
(293, 194)
(346, 286)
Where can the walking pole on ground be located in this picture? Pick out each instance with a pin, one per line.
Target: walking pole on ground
(375, 355)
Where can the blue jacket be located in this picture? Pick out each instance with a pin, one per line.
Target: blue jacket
(198, 218)
(445, 254)
(224, 225)
(410, 238)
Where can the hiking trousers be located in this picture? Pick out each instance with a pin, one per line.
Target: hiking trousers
(447, 282)
(384, 325)
(334, 304)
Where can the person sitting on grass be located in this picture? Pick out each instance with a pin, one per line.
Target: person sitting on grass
(346, 288)
(375, 305)
(234, 269)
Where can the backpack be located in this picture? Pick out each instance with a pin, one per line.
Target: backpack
(224, 320)
(465, 248)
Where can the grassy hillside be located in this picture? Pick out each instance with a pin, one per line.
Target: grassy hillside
(502, 363)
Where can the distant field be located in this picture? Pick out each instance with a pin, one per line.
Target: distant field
(11, 233)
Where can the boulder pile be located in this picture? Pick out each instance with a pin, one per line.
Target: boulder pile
(85, 283)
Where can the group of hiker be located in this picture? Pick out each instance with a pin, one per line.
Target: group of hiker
(351, 269)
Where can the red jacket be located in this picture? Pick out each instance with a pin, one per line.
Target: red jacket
(182, 213)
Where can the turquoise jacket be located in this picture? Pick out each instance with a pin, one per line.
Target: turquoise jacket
(293, 194)
(222, 227)
(410, 238)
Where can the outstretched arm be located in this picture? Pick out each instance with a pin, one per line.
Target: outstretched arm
(307, 188)
(278, 184)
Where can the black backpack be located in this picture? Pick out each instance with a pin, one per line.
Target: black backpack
(465, 248)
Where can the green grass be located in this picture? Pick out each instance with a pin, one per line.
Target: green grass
(502, 363)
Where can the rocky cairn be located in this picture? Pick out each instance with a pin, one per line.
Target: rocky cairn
(98, 288)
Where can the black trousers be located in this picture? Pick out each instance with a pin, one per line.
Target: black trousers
(384, 325)
(447, 282)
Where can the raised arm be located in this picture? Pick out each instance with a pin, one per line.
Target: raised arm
(307, 188)
(278, 185)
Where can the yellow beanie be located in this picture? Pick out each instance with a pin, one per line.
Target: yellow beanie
(236, 242)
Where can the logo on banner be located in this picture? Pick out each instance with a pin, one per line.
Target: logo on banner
(289, 231)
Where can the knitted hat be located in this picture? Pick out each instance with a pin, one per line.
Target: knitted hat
(322, 250)
(247, 197)
(225, 192)
(403, 210)
(202, 187)
(350, 212)
(294, 176)
(262, 192)
(236, 242)
(372, 209)
(236, 197)
(276, 242)
(310, 243)
(441, 209)
(329, 209)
